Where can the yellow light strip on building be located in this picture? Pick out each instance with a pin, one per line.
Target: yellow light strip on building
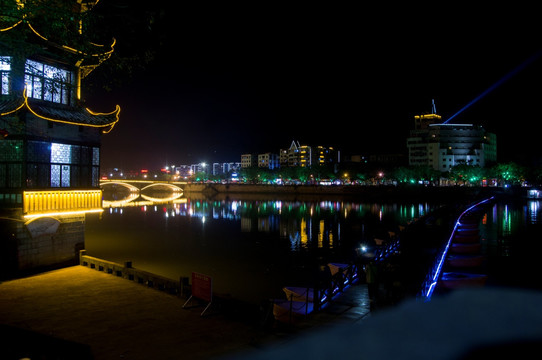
(60, 213)
(12, 26)
(15, 110)
(36, 203)
(75, 51)
(111, 124)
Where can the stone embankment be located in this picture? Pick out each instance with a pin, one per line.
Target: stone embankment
(391, 193)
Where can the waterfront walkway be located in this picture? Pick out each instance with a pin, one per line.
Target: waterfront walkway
(82, 313)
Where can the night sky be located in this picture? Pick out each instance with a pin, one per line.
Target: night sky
(232, 79)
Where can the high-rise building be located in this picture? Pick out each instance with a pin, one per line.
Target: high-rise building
(268, 161)
(443, 146)
(249, 160)
(290, 156)
(306, 156)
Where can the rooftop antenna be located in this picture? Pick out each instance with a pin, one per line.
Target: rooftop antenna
(433, 107)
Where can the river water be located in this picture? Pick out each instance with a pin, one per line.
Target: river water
(511, 235)
(252, 247)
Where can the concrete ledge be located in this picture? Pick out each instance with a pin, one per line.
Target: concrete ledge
(179, 287)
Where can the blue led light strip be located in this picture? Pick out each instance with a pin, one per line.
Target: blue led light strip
(436, 275)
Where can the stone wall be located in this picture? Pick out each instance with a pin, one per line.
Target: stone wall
(49, 241)
(369, 193)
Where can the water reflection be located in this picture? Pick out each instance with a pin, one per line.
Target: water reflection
(250, 246)
(507, 219)
(305, 224)
(122, 196)
(533, 211)
(510, 233)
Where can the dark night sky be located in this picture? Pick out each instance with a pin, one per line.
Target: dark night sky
(236, 79)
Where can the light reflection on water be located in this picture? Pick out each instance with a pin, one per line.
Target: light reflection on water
(504, 221)
(510, 233)
(251, 248)
(304, 223)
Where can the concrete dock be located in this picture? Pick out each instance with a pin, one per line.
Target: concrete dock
(78, 312)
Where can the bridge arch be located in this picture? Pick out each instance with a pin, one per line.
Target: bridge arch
(161, 200)
(130, 187)
(171, 186)
(122, 202)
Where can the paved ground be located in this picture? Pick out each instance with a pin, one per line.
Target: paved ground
(94, 315)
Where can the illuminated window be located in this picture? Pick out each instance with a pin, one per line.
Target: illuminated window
(60, 168)
(60, 153)
(65, 176)
(53, 165)
(47, 82)
(55, 175)
(5, 69)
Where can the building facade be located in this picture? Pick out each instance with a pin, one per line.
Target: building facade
(50, 150)
(249, 160)
(268, 161)
(307, 156)
(225, 168)
(443, 146)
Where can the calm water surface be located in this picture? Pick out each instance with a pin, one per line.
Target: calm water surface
(252, 248)
(511, 233)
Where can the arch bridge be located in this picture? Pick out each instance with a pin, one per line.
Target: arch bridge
(136, 188)
(141, 185)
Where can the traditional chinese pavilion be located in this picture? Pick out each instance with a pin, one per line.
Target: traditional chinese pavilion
(49, 142)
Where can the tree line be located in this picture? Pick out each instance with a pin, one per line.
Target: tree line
(500, 174)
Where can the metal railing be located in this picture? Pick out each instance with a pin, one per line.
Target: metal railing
(310, 299)
(431, 279)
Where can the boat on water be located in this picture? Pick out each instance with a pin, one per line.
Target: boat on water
(465, 260)
(455, 280)
(349, 272)
(290, 310)
(336, 267)
(300, 293)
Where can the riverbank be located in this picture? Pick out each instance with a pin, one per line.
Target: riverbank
(368, 193)
(100, 314)
(82, 313)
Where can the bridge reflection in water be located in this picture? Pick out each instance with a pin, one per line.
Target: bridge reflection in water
(140, 193)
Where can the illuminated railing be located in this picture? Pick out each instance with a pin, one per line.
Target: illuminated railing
(37, 203)
(432, 278)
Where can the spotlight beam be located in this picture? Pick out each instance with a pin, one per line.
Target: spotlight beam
(498, 83)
